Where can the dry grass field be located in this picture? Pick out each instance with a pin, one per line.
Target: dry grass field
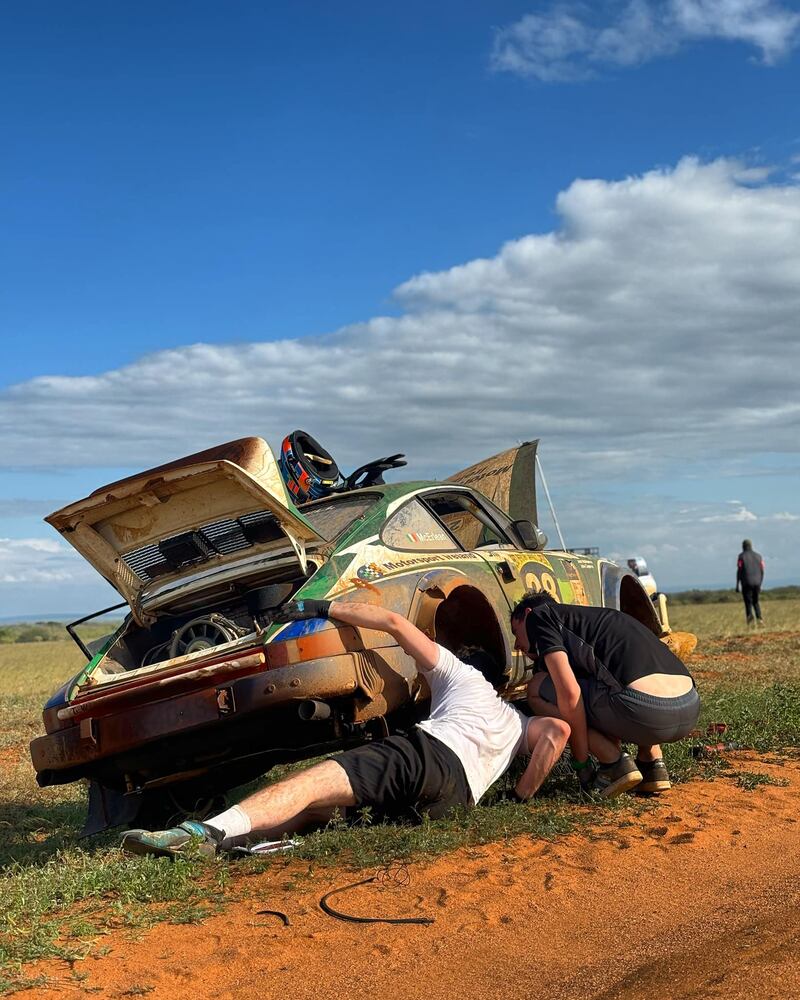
(65, 904)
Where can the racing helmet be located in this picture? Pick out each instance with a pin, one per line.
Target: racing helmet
(307, 469)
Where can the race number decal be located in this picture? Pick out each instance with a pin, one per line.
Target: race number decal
(537, 579)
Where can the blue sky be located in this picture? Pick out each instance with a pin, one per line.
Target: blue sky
(241, 175)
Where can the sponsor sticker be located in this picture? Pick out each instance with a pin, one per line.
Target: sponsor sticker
(576, 582)
(298, 630)
(520, 559)
(370, 572)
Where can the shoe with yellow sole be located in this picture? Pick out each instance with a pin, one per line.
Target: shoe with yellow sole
(655, 776)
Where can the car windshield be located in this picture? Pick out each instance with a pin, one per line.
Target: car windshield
(330, 517)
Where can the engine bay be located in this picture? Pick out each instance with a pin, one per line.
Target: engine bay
(182, 633)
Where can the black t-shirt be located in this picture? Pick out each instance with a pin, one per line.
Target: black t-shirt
(596, 637)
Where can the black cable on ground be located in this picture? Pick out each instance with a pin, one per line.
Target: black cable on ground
(327, 908)
(274, 913)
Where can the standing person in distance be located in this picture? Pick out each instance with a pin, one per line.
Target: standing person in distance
(613, 681)
(750, 576)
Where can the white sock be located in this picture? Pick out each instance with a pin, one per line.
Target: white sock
(234, 822)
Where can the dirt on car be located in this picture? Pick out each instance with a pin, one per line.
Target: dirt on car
(695, 897)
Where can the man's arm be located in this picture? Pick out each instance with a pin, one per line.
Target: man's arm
(409, 637)
(570, 703)
(738, 574)
(424, 651)
(545, 740)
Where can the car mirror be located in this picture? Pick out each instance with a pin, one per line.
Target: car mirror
(529, 535)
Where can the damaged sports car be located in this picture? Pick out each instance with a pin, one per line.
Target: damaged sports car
(200, 690)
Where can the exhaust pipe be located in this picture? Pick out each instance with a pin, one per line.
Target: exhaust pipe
(313, 711)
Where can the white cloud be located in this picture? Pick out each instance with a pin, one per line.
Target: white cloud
(655, 328)
(769, 26)
(25, 544)
(570, 41)
(40, 561)
(740, 513)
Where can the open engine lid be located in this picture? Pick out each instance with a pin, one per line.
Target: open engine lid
(507, 479)
(208, 508)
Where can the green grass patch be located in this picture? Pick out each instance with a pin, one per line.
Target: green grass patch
(759, 719)
(729, 596)
(713, 621)
(53, 631)
(367, 846)
(750, 780)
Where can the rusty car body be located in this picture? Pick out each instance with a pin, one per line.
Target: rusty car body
(200, 690)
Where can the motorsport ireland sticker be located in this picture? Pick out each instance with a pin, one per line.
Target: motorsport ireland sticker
(369, 572)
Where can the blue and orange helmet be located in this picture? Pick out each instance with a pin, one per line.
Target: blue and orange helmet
(307, 469)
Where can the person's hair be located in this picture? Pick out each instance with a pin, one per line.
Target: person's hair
(531, 601)
(482, 661)
(747, 544)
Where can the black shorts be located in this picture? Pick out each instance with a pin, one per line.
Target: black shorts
(630, 715)
(406, 777)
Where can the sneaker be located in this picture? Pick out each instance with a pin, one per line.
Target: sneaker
(174, 842)
(655, 776)
(614, 779)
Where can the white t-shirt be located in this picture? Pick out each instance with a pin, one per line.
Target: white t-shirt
(470, 718)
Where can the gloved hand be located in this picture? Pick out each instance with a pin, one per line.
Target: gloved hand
(298, 611)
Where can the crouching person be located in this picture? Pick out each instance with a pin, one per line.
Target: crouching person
(448, 761)
(614, 682)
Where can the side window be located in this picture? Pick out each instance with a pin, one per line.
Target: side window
(413, 529)
(469, 524)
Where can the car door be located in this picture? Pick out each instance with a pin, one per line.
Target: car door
(476, 526)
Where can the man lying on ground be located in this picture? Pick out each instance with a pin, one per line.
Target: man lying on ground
(614, 682)
(447, 761)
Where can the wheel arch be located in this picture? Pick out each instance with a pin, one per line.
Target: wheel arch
(450, 609)
(622, 590)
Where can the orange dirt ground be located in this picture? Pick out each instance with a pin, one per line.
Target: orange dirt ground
(696, 899)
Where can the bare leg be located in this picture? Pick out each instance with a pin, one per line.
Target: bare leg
(303, 820)
(546, 741)
(288, 805)
(605, 748)
(649, 753)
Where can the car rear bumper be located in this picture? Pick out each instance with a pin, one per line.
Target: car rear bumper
(113, 728)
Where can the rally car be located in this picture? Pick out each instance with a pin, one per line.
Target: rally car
(200, 689)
